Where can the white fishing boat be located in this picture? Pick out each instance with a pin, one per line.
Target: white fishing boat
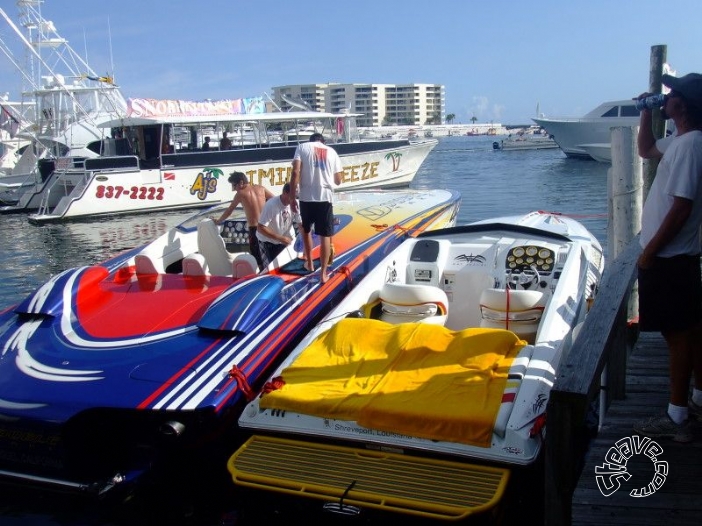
(421, 390)
(15, 118)
(141, 167)
(571, 133)
(70, 99)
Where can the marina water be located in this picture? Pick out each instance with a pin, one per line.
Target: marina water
(492, 183)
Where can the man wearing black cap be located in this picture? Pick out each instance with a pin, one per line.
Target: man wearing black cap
(670, 281)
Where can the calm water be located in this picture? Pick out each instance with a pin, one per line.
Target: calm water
(492, 183)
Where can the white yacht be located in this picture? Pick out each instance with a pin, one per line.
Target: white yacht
(573, 133)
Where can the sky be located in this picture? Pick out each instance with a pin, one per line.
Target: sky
(499, 60)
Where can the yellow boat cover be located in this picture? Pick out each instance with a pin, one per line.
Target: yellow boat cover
(416, 379)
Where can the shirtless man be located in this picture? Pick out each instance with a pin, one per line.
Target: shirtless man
(252, 197)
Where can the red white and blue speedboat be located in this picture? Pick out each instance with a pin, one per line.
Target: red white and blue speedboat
(104, 369)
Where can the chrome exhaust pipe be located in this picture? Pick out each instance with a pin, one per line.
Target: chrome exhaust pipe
(172, 429)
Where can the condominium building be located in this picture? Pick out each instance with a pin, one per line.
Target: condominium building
(379, 104)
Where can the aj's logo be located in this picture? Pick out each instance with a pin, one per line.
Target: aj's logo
(205, 183)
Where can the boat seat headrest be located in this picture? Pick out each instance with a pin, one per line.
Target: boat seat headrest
(194, 265)
(244, 264)
(517, 310)
(144, 265)
(404, 302)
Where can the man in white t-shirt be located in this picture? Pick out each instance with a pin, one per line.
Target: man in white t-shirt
(275, 226)
(670, 280)
(316, 168)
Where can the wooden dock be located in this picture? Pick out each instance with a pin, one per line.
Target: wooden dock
(679, 499)
(631, 369)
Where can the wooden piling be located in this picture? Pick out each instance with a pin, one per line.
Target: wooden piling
(659, 55)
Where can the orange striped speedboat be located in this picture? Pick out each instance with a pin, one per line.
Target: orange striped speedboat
(107, 368)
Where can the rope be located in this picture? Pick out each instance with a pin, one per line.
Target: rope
(347, 273)
(275, 384)
(243, 383)
(507, 309)
(575, 216)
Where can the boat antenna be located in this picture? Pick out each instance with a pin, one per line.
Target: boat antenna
(85, 45)
(112, 59)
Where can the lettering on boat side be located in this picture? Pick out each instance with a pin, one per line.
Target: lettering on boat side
(610, 474)
(361, 172)
(279, 175)
(134, 192)
(365, 431)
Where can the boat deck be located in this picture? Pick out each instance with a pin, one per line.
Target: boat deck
(678, 499)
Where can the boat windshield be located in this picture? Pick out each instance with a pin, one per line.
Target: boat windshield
(190, 224)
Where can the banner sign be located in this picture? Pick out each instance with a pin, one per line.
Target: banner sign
(181, 108)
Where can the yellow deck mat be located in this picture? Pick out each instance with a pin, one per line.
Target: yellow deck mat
(413, 378)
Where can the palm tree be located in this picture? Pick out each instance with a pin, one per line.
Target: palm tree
(473, 119)
(450, 117)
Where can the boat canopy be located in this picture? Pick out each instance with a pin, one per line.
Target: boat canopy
(246, 117)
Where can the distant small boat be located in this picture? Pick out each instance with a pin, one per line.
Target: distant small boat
(526, 141)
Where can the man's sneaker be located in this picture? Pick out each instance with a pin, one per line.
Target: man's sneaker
(663, 427)
(694, 410)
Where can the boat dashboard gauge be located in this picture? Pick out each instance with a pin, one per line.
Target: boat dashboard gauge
(527, 257)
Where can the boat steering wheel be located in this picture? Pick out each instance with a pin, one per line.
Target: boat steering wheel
(526, 279)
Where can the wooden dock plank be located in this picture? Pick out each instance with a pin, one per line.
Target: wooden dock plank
(679, 499)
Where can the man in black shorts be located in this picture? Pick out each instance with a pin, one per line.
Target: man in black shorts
(316, 167)
(670, 285)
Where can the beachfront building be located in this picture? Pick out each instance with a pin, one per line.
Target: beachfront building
(380, 104)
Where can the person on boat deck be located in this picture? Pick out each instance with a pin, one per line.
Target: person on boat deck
(670, 284)
(251, 197)
(275, 226)
(225, 143)
(206, 145)
(316, 167)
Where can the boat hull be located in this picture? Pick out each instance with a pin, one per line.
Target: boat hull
(190, 180)
(498, 295)
(572, 134)
(108, 369)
